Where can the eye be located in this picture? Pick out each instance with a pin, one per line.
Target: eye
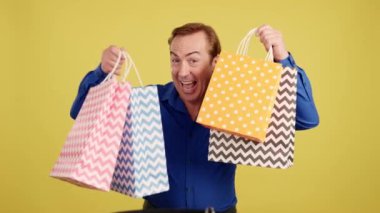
(175, 60)
(193, 61)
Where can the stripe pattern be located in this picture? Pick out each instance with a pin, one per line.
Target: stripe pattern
(277, 151)
(89, 154)
(141, 164)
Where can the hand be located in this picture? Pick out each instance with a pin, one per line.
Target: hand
(109, 58)
(271, 37)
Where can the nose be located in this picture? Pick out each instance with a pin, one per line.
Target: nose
(183, 70)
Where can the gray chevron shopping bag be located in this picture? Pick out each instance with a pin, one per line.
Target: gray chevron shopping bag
(141, 163)
(277, 150)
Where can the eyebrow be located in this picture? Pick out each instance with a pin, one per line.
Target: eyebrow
(190, 53)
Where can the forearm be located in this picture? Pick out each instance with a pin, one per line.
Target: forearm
(306, 112)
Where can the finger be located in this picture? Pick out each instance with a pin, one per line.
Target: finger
(270, 37)
(122, 60)
(115, 51)
(110, 57)
(263, 28)
(117, 72)
(267, 45)
(113, 64)
(119, 65)
(275, 40)
(110, 67)
(118, 68)
(267, 38)
(122, 50)
(271, 40)
(266, 33)
(114, 60)
(114, 55)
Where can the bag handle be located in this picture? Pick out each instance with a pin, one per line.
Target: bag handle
(244, 44)
(128, 67)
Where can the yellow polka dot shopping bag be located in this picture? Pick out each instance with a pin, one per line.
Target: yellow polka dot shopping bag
(277, 149)
(241, 94)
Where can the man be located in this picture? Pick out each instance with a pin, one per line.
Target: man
(195, 182)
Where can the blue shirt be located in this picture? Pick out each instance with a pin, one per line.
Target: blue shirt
(195, 182)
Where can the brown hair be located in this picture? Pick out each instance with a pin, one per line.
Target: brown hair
(191, 28)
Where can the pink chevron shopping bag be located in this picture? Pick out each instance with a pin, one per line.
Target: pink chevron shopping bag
(89, 154)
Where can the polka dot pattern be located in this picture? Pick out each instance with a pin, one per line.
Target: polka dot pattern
(243, 90)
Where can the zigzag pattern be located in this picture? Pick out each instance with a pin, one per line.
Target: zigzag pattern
(123, 180)
(277, 151)
(89, 155)
(142, 159)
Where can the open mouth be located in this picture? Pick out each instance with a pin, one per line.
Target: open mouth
(188, 86)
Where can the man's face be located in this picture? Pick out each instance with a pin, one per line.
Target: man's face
(192, 66)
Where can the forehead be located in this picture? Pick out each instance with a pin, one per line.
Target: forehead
(184, 44)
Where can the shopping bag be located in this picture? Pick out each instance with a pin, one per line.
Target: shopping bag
(277, 151)
(141, 163)
(88, 156)
(241, 94)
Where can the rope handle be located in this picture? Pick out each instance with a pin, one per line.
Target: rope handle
(244, 44)
(127, 70)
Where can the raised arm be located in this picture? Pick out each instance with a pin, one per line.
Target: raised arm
(306, 112)
(95, 77)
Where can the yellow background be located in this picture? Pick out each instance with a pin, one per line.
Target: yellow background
(48, 46)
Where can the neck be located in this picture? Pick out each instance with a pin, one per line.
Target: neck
(193, 109)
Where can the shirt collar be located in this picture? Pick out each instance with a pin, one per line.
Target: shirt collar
(171, 95)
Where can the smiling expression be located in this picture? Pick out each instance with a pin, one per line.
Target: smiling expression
(192, 66)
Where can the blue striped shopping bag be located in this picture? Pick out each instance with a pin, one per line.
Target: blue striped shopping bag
(141, 164)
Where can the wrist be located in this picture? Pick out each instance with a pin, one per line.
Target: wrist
(281, 56)
(288, 62)
(100, 72)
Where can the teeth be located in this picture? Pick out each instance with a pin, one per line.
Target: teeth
(186, 82)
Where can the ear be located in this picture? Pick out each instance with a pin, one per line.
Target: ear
(214, 60)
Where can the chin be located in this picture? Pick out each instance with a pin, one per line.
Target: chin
(191, 98)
